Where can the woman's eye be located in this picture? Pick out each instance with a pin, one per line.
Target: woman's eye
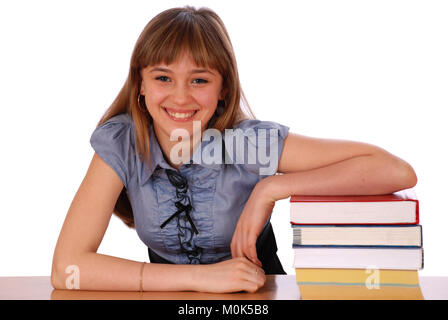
(195, 81)
(163, 78)
(200, 81)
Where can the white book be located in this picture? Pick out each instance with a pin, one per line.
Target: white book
(397, 208)
(356, 235)
(359, 258)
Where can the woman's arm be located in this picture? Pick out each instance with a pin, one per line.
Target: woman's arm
(311, 166)
(83, 231)
(336, 167)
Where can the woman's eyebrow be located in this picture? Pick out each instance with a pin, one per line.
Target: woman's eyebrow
(191, 71)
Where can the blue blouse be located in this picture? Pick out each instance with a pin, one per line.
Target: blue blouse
(217, 190)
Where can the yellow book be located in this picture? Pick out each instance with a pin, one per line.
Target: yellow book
(360, 277)
(347, 292)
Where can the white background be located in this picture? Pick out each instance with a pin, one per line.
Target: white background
(371, 71)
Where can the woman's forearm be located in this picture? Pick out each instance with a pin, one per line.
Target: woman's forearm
(363, 175)
(106, 273)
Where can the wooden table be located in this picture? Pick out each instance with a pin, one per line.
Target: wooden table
(278, 287)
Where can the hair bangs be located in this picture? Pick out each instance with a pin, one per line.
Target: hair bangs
(186, 33)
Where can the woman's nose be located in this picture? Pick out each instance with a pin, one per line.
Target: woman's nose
(181, 94)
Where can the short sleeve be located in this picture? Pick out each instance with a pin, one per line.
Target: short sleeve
(256, 145)
(113, 142)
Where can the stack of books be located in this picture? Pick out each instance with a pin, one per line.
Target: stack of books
(357, 247)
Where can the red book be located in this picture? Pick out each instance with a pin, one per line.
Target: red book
(397, 208)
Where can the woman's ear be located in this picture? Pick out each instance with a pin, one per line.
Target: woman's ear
(223, 94)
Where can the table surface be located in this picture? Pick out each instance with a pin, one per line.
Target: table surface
(277, 287)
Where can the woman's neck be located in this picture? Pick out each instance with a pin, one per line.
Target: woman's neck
(177, 152)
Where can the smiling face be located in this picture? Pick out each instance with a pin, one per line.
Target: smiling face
(180, 93)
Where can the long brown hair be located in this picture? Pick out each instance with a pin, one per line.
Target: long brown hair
(201, 33)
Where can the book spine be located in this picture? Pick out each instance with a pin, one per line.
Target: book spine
(300, 239)
(362, 256)
(423, 259)
(353, 225)
(296, 223)
(421, 235)
(294, 246)
(417, 212)
(297, 236)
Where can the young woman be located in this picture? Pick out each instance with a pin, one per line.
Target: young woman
(205, 223)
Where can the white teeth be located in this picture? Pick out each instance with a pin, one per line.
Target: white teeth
(181, 115)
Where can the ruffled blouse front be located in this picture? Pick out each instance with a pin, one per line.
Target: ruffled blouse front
(216, 190)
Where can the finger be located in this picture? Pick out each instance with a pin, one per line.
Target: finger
(241, 240)
(255, 274)
(251, 250)
(233, 245)
(236, 246)
(233, 248)
(252, 269)
(250, 286)
(253, 256)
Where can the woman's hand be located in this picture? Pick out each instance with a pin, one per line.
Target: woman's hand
(234, 275)
(255, 214)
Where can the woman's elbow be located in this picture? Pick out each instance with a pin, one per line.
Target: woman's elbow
(59, 274)
(55, 281)
(398, 173)
(411, 177)
(406, 177)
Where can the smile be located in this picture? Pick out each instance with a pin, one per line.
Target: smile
(180, 116)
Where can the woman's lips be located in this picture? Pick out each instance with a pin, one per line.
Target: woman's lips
(180, 115)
